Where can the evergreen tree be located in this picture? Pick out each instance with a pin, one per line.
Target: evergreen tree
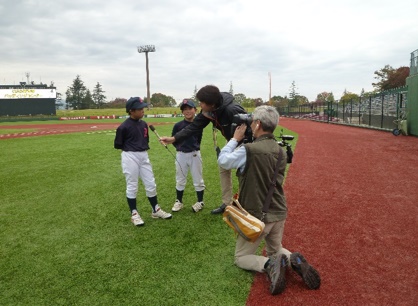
(293, 101)
(76, 93)
(88, 102)
(99, 98)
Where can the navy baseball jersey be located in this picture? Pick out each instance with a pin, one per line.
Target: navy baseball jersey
(132, 136)
(191, 143)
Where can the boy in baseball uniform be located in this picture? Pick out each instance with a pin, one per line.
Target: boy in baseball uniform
(132, 138)
(188, 158)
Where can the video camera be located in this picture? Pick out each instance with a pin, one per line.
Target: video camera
(242, 118)
(246, 119)
(283, 143)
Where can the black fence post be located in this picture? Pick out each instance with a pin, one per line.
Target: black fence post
(370, 110)
(343, 110)
(336, 111)
(381, 118)
(327, 111)
(398, 106)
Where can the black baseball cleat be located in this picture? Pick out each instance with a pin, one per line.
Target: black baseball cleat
(308, 273)
(276, 271)
(218, 210)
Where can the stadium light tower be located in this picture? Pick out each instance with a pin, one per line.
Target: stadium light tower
(145, 49)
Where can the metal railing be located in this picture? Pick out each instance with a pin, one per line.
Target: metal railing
(375, 111)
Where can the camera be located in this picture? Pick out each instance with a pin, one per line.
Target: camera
(242, 118)
(246, 119)
(283, 143)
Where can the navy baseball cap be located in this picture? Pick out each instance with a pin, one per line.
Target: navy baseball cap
(135, 103)
(187, 102)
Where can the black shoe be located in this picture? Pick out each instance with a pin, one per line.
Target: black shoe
(276, 271)
(218, 210)
(309, 275)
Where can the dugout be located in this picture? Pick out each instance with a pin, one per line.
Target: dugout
(27, 100)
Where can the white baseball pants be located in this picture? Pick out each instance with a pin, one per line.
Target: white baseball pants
(189, 161)
(137, 165)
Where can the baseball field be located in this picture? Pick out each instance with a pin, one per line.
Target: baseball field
(66, 236)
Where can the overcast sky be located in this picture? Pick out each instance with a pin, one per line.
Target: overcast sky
(322, 45)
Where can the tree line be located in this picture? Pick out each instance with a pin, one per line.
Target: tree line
(80, 97)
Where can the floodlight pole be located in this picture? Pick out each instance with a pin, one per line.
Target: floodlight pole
(145, 49)
(270, 102)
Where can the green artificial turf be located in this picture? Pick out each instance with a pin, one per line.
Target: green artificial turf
(66, 236)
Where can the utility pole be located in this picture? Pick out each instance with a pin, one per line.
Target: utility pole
(145, 49)
(270, 102)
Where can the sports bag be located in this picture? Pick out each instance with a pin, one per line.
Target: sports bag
(242, 222)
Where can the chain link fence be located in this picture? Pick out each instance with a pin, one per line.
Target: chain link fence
(376, 111)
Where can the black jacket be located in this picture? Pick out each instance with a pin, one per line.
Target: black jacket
(221, 119)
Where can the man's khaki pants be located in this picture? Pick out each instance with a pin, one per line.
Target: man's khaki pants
(245, 257)
(226, 185)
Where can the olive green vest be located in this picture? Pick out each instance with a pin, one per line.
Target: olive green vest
(255, 180)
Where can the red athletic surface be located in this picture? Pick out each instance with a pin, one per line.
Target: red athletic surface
(353, 213)
(50, 129)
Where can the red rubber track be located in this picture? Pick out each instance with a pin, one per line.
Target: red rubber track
(63, 128)
(353, 213)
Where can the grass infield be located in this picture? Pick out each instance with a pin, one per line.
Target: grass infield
(66, 236)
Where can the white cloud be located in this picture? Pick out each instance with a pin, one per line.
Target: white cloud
(321, 45)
